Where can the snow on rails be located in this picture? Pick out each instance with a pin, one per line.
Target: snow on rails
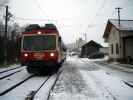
(26, 86)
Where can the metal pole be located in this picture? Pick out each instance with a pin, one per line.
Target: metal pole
(119, 30)
(5, 39)
(85, 37)
(118, 15)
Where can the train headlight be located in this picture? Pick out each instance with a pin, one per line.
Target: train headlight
(52, 54)
(25, 55)
(39, 33)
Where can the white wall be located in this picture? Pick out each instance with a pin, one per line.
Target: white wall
(113, 39)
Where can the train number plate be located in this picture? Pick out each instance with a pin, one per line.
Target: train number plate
(39, 56)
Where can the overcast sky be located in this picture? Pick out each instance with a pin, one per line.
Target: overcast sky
(72, 17)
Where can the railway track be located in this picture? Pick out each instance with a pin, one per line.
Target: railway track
(7, 70)
(8, 75)
(44, 84)
(25, 80)
(10, 72)
(53, 85)
(31, 95)
(15, 85)
(128, 83)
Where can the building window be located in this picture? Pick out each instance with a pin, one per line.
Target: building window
(117, 48)
(111, 48)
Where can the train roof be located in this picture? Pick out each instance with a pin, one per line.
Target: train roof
(34, 28)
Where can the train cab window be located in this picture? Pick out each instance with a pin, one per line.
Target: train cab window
(39, 42)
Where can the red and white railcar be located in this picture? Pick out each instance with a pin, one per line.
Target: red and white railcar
(42, 48)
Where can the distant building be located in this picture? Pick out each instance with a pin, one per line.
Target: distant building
(80, 42)
(90, 48)
(120, 39)
(104, 50)
(76, 47)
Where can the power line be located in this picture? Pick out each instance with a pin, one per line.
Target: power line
(43, 12)
(113, 12)
(39, 7)
(101, 7)
(99, 10)
(130, 1)
(31, 19)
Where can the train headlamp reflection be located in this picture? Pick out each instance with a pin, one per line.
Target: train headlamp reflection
(52, 54)
(39, 33)
(25, 55)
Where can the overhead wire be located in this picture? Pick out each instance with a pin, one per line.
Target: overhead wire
(31, 19)
(127, 9)
(99, 10)
(39, 7)
(43, 12)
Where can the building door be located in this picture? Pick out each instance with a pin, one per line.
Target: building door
(128, 47)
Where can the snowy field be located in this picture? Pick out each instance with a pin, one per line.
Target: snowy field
(81, 79)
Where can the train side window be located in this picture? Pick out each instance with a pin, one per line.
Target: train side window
(59, 39)
(59, 42)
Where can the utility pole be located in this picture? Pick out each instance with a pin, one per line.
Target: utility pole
(85, 37)
(118, 9)
(119, 30)
(5, 39)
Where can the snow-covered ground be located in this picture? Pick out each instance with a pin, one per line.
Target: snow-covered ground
(44, 91)
(10, 67)
(87, 81)
(23, 90)
(117, 70)
(81, 79)
(12, 71)
(12, 80)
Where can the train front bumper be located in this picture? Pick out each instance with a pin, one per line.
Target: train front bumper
(40, 63)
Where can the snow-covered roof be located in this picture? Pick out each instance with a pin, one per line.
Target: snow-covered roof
(91, 42)
(124, 24)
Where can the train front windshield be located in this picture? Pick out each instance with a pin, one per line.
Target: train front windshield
(39, 42)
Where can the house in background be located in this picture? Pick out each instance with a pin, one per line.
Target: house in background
(120, 39)
(90, 48)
